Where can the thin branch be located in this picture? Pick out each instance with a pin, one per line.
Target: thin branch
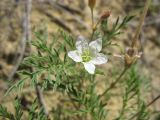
(41, 100)
(138, 30)
(69, 9)
(154, 100)
(26, 36)
(149, 104)
(94, 28)
(92, 17)
(28, 17)
(113, 84)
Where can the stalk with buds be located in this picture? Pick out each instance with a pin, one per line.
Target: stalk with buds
(132, 53)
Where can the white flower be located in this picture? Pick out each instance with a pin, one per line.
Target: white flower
(88, 54)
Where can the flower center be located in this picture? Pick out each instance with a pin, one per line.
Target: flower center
(86, 56)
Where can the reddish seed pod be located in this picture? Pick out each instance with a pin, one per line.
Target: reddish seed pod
(105, 14)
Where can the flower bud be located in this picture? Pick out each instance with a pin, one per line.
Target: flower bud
(131, 56)
(128, 60)
(91, 3)
(105, 14)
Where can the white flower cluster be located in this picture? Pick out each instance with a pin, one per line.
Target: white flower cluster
(88, 54)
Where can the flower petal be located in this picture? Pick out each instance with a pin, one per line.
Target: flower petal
(99, 59)
(81, 43)
(90, 67)
(75, 56)
(97, 44)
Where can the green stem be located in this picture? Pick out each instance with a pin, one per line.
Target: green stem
(123, 110)
(94, 29)
(113, 84)
(92, 18)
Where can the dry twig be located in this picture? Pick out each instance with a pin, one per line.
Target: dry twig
(148, 105)
(41, 100)
(25, 37)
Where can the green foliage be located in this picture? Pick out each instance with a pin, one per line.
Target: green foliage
(18, 111)
(50, 68)
(133, 96)
(110, 33)
(5, 114)
(33, 113)
(91, 102)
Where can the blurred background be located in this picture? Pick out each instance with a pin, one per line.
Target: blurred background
(19, 19)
